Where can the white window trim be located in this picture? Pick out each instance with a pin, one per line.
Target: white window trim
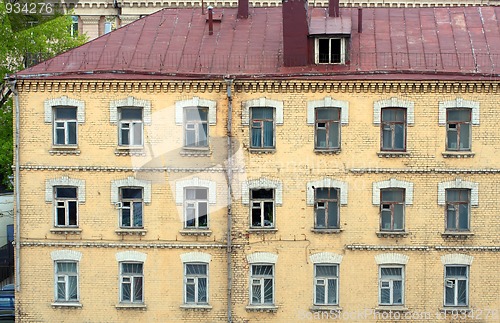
(326, 285)
(392, 183)
(458, 103)
(64, 101)
(196, 289)
(130, 256)
(130, 182)
(196, 202)
(262, 258)
(325, 258)
(64, 181)
(196, 102)
(195, 182)
(262, 183)
(56, 282)
(458, 183)
(394, 103)
(328, 102)
(121, 275)
(343, 52)
(192, 257)
(262, 102)
(66, 255)
(130, 102)
(327, 183)
(457, 259)
(467, 295)
(250, 294)
(391, 258)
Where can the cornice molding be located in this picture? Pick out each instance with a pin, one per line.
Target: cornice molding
(129, 169)
(423, 171)
(140, 245)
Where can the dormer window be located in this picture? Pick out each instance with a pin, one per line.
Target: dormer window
(330, 50)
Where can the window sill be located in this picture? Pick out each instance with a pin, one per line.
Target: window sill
(465, 154)
(124, 232)
(66, 305)
(457, 234)
(262, 150)
(455, 309)
(195, 152)
(64, 150)
(196, 307)
(392, 308)
(323, 308)
(131, 306)
(392, 234)
(130, 151)
(196, 232)
(327, 151)
(262, 308)
(66, 231)
(262, 231)
(326, 231)
(393, 154)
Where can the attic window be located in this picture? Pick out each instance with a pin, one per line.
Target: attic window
(331, 50)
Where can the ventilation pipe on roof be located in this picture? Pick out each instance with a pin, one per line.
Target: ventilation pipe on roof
(242, 9)
(334, 8)
(210, 21)
(295, 33)
(360, 20)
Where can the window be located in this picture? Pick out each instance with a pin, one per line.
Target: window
(391, 286)
(74, 26)
(325, 284)
(262, 208)
(327, 128)
(196, 127)
(393, 129)
(262, 127)
(66, 206)
(326, 208)
(66, 281)
(130, 127)
(196, 284)
(131, 208)
(457, 209)
(196, 208)
(456, 286)
(262, 285)
(65, 122)
(458, 129)
(331, 50)
(392, 209)
(131, 283)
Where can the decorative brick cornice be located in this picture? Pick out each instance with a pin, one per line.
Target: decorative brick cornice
(129, 169)
(389, 248)
(139, 245)
(131, 256)
(326, 258)
(422, 171)
(473, 248)
(327, 182)
(196, 257)
(328, 102)
(59, 255)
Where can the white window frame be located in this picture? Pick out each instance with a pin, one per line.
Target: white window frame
(63, 203)
(259, 280)
(131, 128)
(65, 279)
(196, 204)
(455, 280)
(259, 204)
(195, 281)
(121, 207)
(391, 286)
(131, 278)
(326, 279)
(343, 46)
(65, 127)
(74, 26)
(195, 125)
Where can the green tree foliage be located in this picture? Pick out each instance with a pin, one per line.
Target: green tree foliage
(18, 47)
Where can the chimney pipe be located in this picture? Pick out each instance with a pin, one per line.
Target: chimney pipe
(334, 8)
(360, 20)
(210, 21)
(242, 9)
(295, 33)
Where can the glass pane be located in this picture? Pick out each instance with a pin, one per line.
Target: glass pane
(326, 114)
(399, 137)
(386, 219)
(387, 138)
(262, 113)
(260, 270)
(126, 292)
(450, 293)
(66, 113)
(256, 220)
(452, 195)
(71, 133)
(125, 217)
(61, 291)
(398, 216)
(190, 137)
(72, 209)
(190, 291)
(61, 216)
(124, 136)
(322, 193)
(460, 271)
(190, 194)
(66, 192)
(190, 217)
(202, 290)
(451, 221)
(320, 294)
(60, 140)
(397, 297)
(131, 268)
(132, 193)
(326, 271)
(73, 287)
(196, 269)
(66, 267)
(385, 296)
(256, 296)
(138, 289)
(388, 115)
(320, 218)
(268, 134)
(131, 114)
(463, 216)
(332, 214)
(459, 115)
(390, 272)
(452, 139)
(268, 291)
(137, 214)
(462, 292)
(256, 137)
(137, 133)
(392, 195)
(321, 138)
(262, 194)
(268, 214)
(465, 136)
(324, 50)
(202, 214)
(332, 291)
(202, 134)
(333, 135)
(201, 193)
(335, 50)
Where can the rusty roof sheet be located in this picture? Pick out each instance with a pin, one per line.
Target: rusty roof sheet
(440, 42)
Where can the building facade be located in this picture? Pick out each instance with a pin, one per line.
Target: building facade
(185, 172)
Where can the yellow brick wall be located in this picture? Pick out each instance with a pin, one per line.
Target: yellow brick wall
(294, 163)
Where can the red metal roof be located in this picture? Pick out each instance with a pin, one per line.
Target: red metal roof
(414, 43)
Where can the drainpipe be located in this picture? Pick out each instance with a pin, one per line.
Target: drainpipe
(12, 85)
(229, 174)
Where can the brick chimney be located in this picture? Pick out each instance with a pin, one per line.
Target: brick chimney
(295, 32)
(334, 8)
(242, 9)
